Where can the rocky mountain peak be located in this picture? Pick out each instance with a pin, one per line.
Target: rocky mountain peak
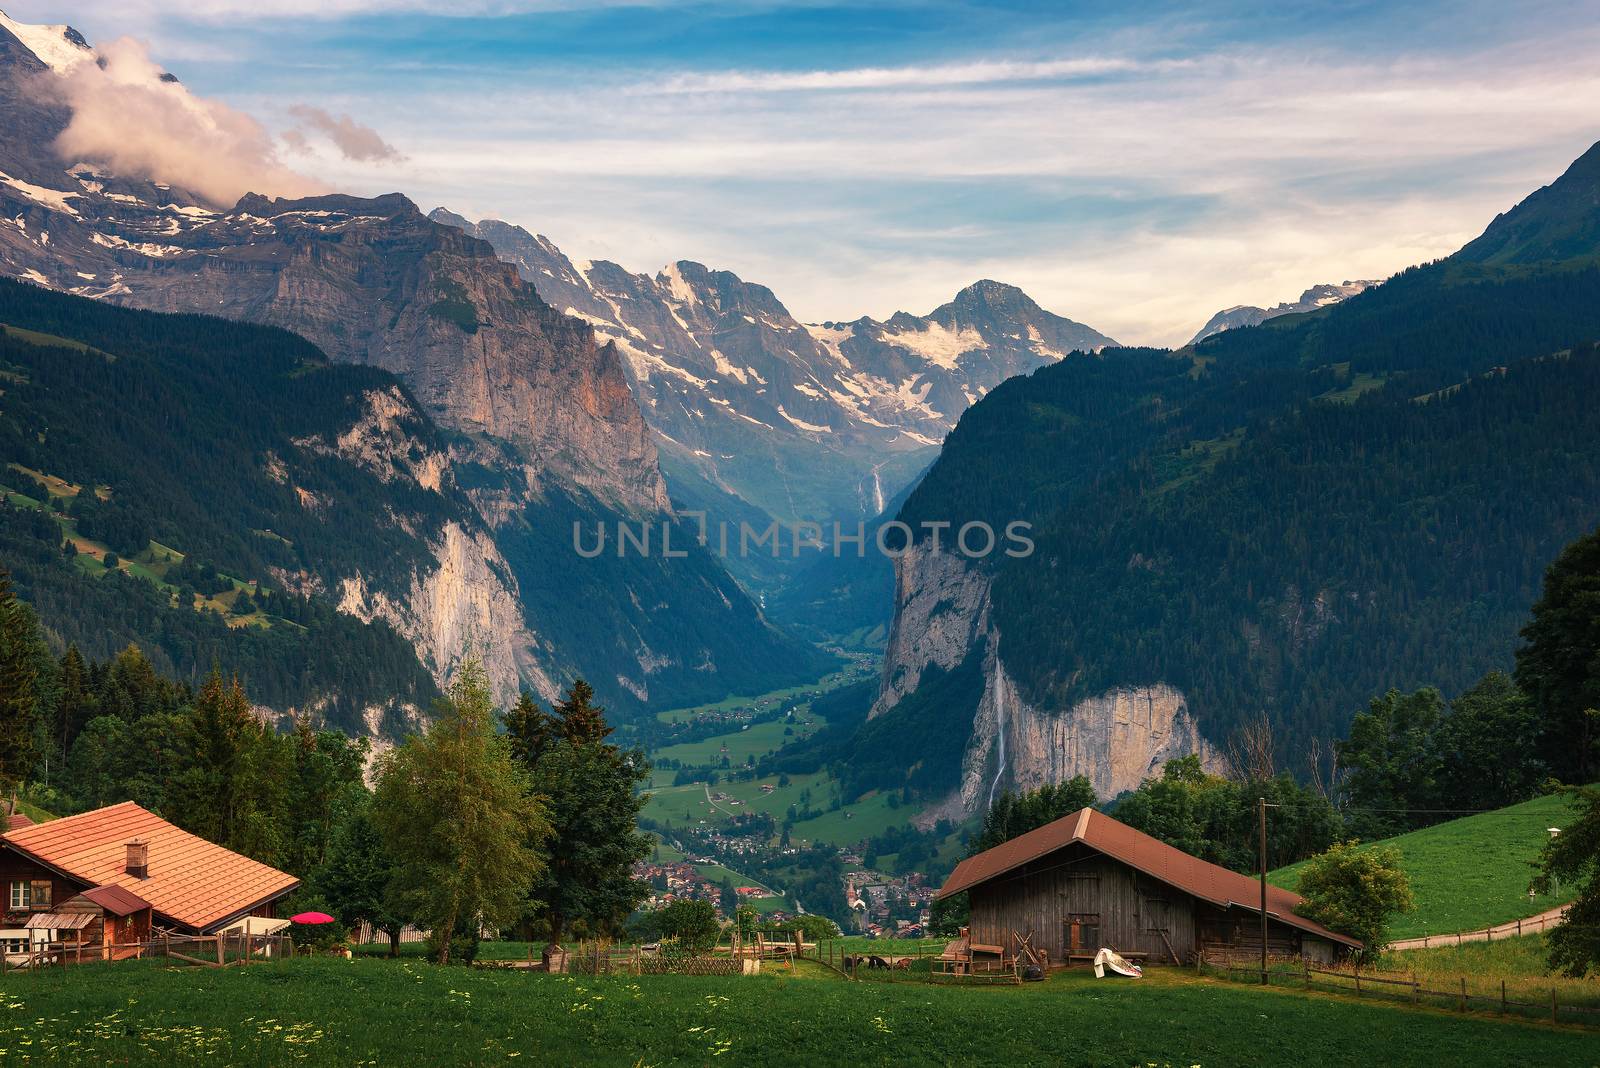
(1317, 296)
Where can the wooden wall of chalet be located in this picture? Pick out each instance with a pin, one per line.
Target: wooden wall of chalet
(15, 867)
(1131, 911)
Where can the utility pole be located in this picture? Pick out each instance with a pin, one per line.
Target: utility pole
(1261, 811)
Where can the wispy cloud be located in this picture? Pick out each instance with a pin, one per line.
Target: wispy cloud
(353, 140)
(125, 116)
(985, 72)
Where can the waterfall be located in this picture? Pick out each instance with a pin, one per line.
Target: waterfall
(999, 727)
(877, 491)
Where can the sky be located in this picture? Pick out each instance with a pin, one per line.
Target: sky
(1135, 166)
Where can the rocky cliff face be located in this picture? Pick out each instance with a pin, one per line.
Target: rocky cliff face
(469, 598)
(801, 421)
(1118, 738)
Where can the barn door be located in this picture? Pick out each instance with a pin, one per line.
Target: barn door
(1082, 935)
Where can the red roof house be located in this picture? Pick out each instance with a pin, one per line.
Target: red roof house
(125, 858)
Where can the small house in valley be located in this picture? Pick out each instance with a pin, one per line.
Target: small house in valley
(1087, 882)
(111, 877)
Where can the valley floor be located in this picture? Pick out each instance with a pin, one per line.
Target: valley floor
(380, 1012)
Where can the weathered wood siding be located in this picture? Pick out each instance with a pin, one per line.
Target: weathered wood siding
(1043, 897)
(1134, 911)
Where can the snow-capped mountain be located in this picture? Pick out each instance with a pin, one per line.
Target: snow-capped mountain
(1318, 296)
(542, 428)
(803, 421)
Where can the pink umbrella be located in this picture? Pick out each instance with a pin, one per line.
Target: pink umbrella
(311, 918)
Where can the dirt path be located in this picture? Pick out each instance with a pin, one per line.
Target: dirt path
(1550, 918)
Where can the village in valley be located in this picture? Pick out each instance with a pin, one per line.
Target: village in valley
(421, 646)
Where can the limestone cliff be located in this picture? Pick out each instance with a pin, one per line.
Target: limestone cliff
(467, 601)
(1118, 738)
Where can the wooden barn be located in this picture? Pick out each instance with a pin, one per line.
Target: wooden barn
(1087, 882)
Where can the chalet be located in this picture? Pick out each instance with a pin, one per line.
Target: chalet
(1086, 881)
(111, 876)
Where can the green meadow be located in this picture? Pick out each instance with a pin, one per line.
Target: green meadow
(379, 1012)
(1473, 872)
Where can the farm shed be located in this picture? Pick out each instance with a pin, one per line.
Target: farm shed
(134, 870)
(1087, 881)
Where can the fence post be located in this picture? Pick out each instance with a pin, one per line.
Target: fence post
(1519, 927)
(1553, 1005)
(1358, 980)
(220, 937)
(1502, 997)
(1463, 993)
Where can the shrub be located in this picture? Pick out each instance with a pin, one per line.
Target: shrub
(1356, 892)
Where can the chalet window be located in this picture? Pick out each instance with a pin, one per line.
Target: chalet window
(21, 894)
(41, 894)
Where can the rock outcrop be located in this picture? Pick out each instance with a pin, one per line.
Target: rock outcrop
(1118, 738)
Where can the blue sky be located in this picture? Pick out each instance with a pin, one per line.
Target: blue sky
(1135, 166)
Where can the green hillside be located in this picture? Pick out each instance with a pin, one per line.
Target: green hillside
(166, 479)
(1254, 533)
(1473, 872)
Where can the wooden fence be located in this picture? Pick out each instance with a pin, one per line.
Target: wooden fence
(1510, 929)
(1406, 987)
(211, 951)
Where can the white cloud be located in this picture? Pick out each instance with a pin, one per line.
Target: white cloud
(125, 116)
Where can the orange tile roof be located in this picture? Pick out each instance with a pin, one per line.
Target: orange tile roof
(1157, 859)
(192, 881)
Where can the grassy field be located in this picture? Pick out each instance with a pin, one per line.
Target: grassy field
(687, 805)
(753, 741)
(1520, 962)
(1471, 873)
(376, 1012)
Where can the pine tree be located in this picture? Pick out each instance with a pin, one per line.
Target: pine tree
(1560, 666)
(530, 730)
(75, 705)
(594, 802)
(356, 877)
(582, 721)
(19, 686)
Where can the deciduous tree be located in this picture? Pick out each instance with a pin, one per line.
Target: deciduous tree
(459, 816)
